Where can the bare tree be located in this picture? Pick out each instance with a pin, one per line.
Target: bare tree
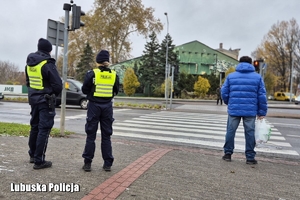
(278, 47)
(9, 74)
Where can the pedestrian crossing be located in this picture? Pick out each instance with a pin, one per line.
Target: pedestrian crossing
(80, 116)
(194, 129)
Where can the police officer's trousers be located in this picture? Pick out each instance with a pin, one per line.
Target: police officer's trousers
(41, 122)
(103, 113)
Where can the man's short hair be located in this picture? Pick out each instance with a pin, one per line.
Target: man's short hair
(246, 59)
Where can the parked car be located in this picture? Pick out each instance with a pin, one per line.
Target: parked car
(283, 96)
(74, 95)
(1, 95)
(297, 100)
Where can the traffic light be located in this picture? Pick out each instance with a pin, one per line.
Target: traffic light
(76, 14)
(256, 65)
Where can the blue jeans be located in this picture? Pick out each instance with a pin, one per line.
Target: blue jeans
(249, 127)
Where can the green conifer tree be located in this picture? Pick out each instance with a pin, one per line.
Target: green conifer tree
(148, 72)
(86, 63)
(172, 61)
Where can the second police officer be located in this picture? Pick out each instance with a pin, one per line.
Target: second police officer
(100, 85)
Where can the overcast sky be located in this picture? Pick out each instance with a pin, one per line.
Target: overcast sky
(235, 23)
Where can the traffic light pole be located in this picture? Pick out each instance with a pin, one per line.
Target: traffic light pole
(67, 8)
(76, 24)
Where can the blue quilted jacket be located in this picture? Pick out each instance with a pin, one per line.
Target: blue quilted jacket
(244, 92)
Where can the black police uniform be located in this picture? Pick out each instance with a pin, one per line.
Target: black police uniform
(42, 116)
(100, 109)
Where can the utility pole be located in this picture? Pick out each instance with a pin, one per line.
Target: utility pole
(167, 70)
(172, 85)
(291, 86)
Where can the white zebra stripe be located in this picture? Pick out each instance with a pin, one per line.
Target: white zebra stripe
(57, 119)
(204, 143)
(175, 131)
(196, 129)
(196, 124)
(184, 134)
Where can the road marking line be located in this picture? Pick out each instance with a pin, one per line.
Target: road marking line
(57, 119)
(194, 138)
(282, 124)
(298, 136)
(201, 132)
(121, 110)
(191, 125)
(115, 185)
(218, 144)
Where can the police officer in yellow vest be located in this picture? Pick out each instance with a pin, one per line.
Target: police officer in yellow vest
(44, 83)
(100, 85)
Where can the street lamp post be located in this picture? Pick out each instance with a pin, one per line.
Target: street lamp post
(166, 72)
(291, 78)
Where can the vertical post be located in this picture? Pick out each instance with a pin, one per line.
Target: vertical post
(172, 84)
(216, 64)
(264, 69)
(220, 78)
(166, 70)
(64, 74)
(291, 86)
(260, 68)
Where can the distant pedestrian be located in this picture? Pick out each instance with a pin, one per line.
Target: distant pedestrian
(44, 84)
(100, 85)
(245, 94)
(219, 96)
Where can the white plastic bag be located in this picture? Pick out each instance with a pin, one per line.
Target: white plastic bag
(262, 131)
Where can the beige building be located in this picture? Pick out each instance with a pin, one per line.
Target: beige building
(232, 53)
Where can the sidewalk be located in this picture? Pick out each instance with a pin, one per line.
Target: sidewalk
(143, 171)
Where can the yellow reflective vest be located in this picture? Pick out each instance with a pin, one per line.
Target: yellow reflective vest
(35, 75)
(104, 82)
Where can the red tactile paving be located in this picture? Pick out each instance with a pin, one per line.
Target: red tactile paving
(115, 185)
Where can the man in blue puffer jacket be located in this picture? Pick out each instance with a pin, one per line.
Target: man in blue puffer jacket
(245, 94)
